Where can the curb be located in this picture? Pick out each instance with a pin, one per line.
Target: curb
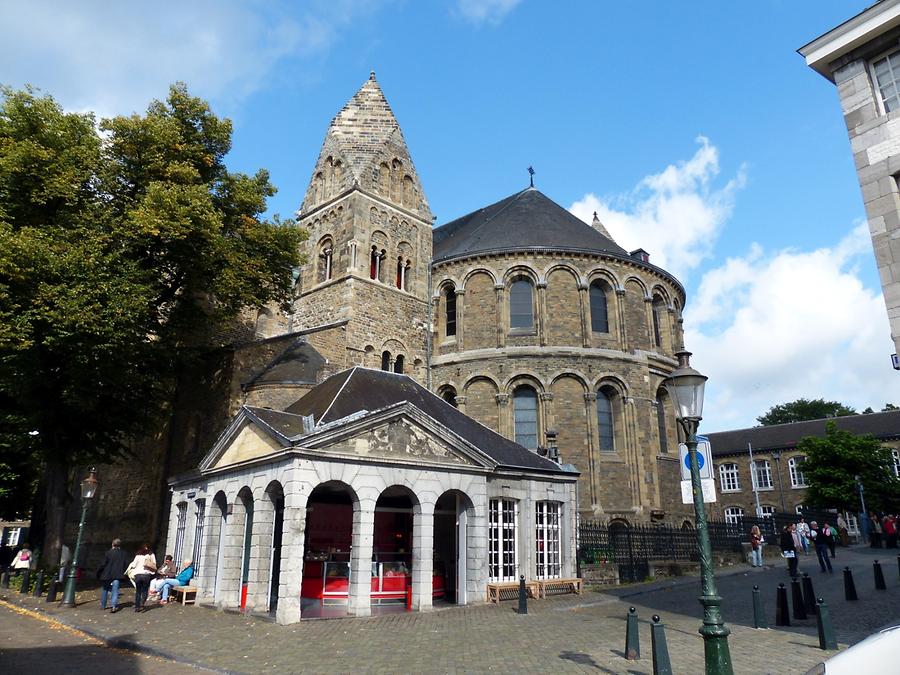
(114, 643)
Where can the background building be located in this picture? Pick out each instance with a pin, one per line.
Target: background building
(862, 57)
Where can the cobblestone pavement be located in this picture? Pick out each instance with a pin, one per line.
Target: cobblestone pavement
(30, 644)
(564, 634)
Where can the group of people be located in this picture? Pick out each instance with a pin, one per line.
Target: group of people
(151, 582)
(797, 538)
(883, 530)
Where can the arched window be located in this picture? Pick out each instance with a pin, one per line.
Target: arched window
(605, 421)
(386, 360)
(326, 249)
(766, 511)
(450, 311)
(398, 364)
(599, 315)
(729, 479)
(733, 515)
(521, 304)
(795, 465)
(449, 395)
(659, 306)
(525, 413)
(661, 422)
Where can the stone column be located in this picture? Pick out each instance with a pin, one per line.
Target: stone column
(437, 319)
(648, 312)
(541, 312)
(232, 558)
(423, 557)
(460, 318)
(292, 552)
(260, 553)
(461, 403)
(501, 314)
(503, 422)
(620, 319)
(209, 549)
(590, 407)
(548, 419)
(360, 601)
(584, 306)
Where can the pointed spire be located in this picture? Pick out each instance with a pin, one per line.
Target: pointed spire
(597, 225)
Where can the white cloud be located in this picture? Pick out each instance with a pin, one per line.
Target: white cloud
(771, 328)
(116, 57)
(676, 214)
(486, 11)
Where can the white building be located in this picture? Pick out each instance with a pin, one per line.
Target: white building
(368, 491)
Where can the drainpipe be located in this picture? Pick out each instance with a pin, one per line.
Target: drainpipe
(430, 317)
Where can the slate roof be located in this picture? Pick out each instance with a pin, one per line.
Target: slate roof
(363, 389)
(883, 426)
(527, 220)
(300, 363)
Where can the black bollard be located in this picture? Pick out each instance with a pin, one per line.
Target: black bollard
(759, 615)
(26, 581)
(797, 600)
(661, 663)
(782, 613)
(38, 584)
(849, 586)
(523, 596)
(632, 639)
(879, 577)
(51, 591)
(4, 578)
(827, 640)
(809, 596)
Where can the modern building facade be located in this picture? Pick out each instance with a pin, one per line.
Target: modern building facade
(862, 58)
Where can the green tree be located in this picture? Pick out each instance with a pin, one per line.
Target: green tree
(833, 462)
(122, 256)
(888, 407)
(803, 409)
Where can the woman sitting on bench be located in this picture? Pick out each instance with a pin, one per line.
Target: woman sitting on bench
(183, 579)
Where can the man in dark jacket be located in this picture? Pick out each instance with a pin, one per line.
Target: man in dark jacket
(821, 537)
(111, 572)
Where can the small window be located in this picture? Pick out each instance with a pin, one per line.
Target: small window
(799, 509)
(521, 304)
(605, 422)
(386, 360)
(398, 364)
(887, 77)
(599, 314)
(795, 464)
(525, 413)
(733, 515)
(766, 511)
(449, 395)
(547, 540)
(729, 480)
(659, 307)
(326, 252)
(450, 311)
(762, 474)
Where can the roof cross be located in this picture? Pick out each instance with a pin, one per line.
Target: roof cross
(531, 175)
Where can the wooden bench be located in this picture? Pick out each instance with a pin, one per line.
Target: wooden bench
(559, 586)
(510, 591)
(187, 593)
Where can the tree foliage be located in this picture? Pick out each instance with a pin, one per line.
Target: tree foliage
(833, 462)
(804, 409)
(124, 250)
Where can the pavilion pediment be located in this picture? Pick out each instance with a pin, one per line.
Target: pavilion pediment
(248, 443)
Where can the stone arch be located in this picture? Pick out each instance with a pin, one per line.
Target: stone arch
(478, 316)
(635, 311)
(455, 546)
(604, 274)
(268, 532)
(666, 427)
(563, 327)
(241, 529)
(659, 323)
(520, 270)
(448, 393)
(557, 266)
(663, 292)
(481, 392)
(611, 396)
(571, 423)
(472, 271)
(216, 536)
(632, 279)
(528, 426)
(324, 258)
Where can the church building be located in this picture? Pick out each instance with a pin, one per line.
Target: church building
(435, 413)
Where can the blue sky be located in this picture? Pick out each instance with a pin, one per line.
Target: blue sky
(695, 129)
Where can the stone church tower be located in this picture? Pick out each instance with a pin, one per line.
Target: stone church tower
(369, 246)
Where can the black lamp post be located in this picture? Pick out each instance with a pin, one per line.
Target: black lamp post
(776, 455)
(88, 490)
(685, 385)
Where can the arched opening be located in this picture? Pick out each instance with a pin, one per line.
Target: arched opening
(325, 588)
(326, 249)
(599, 308)
(398, 364)
(661, 421)
(659, 306)
(521, 305)
(386, 360)
(276, 494)
(687, 525)
(245, 499)
(392, 556)
(452, 581)
(449, 395)
(220, 504)
(606, 419)
(376, 258)
(526, 417)
(450, 311)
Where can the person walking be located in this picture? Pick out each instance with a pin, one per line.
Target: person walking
(875, 524)
(23, 560)
(789, 549)
(889, 526)
(820, 539)
(144, 570)
(756, 544)
(830, 537)
(803, 531)
(110, 574)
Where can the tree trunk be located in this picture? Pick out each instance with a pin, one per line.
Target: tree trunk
(56, 505)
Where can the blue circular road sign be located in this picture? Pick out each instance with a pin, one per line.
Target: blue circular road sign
(700, 461)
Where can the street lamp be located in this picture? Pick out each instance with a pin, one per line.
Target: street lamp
(776, 455)
(88, 490)
(685, 386)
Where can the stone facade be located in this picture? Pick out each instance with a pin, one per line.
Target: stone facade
(855, 56)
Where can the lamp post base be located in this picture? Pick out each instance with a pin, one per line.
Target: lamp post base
(69, 594)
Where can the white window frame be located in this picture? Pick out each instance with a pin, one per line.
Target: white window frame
(798, 480)
(199, 526)
(799, 509)
(548, 544)
(13, 535)
(766, 511)
(761, 466)
(733, 514)
(895, 455)
(180, 526)
(503, 533)
(729, 477)
(873, 78)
